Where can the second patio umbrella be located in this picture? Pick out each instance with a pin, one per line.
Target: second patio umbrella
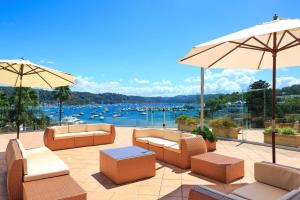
(273, 44)
(23, 73)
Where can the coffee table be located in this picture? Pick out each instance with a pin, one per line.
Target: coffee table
(218, 167)
(127, 164)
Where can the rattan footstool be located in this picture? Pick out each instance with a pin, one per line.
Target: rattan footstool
(218, 167)
(127, 164)
(60, 187)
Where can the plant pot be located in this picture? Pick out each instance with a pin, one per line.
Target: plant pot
(211, 146)
(226, 132)
(285, 140)
(186, 127)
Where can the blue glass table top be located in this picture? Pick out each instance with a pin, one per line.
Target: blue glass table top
(126, 152)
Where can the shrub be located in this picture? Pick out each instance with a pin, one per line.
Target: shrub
(181, 119)
(205, 133)
(287, 131)
(191, 121)
(186, 120)
(269, 130)
(282, 131)
(223, 123)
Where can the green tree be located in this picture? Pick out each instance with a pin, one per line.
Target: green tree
(29, 102)
(4, 107)
(213, 106)
(258, 100)
(61, 94)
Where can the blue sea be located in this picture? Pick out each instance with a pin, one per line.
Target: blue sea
(142, 115)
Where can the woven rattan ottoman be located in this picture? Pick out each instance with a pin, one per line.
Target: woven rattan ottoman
(218, 167)
(127, 164)
(60, 187)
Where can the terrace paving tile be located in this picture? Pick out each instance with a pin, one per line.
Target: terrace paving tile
(169, 183)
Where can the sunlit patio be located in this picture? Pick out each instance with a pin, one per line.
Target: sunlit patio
(169, 183)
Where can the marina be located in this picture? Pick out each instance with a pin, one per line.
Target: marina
(151, 115)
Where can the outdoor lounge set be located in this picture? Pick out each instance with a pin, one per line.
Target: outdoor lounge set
(36, 174)
(65, 137)
(273, 182)
(172, 147)
(39, 174)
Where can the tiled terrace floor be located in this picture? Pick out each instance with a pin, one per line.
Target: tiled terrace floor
(169, 183)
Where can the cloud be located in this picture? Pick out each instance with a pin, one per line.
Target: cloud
(161, 88)
(141, 81)
(225, 81)
(285, 81)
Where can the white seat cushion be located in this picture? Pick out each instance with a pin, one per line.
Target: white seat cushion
(43, 163)
(175, 148)
(143, 139)
(161, 142)
(71, 135)
(260, 191)
(99, 133)
(156, 141)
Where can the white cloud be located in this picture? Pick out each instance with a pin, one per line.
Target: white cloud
(223, 82)
(161, 88)
(141, 81)
(285, 81)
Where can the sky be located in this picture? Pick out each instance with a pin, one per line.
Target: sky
(131, 46)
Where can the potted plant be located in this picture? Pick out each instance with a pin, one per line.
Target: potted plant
(208, 136)
(186, 123)
(225, 127)
(284, 136)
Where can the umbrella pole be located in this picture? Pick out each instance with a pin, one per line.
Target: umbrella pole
(202, 98)
(274, 99)
(19, 103)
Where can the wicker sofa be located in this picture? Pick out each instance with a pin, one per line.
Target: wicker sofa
(38, 174)
(172, 147)
(65, 137)
(273, 182)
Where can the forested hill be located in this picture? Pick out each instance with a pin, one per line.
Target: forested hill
(81, 98)
(110, 98)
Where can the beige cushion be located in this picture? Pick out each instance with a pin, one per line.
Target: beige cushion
(71, 135)
(97, 133)
(260, 191)
(143, 139)
(172, 135)
(149, 133)
(77, 128)
(156, 142)
(24, 156)
(98, 127)
(175, 148)
(61, 129)
(43, 163)
(160, 142)
(280, 176)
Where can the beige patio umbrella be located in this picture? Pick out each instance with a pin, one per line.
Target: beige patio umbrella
(23, 73)
(273, 45)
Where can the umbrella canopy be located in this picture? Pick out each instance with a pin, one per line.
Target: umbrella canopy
(27, 74)
(23, 73)
(251, 48)
(267, 45)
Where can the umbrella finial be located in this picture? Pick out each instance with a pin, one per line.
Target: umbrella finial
(275, 17)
